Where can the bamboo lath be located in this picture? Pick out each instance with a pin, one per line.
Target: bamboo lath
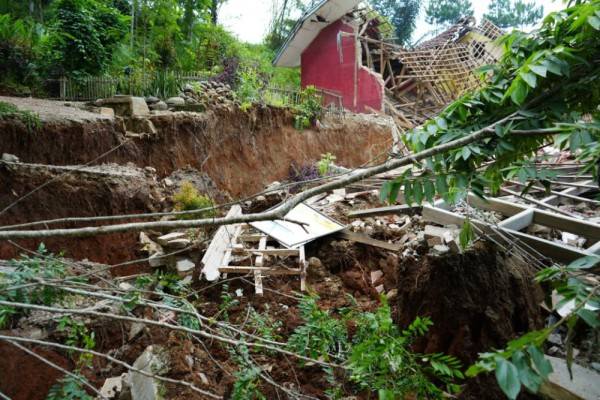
(422, 80)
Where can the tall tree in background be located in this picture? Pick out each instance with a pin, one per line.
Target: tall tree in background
(402, 14)
(445, 12)
(215, 7)
(513, 14)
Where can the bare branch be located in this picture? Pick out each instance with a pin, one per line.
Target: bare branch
(275, 214)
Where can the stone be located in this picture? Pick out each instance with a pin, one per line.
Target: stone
(188, 88)
(165, 239)
(157, 260)
(135, 329)
(152, 100)
(10, 158)
(554, 338)
(179, 243)
(126, 286)
(154, 360)
(127, 106)
(168, 182)
(160, 106)
(108, 112)
(440, 249)
(184, 266)
(315, 268)
(376, 276)
(175, 101)
(392, 294)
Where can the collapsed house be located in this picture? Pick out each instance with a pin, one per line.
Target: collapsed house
(344, 50)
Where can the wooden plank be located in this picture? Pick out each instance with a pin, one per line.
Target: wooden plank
(215, 253)
(260, 260)
(346, 234)
(518, 221)
(554, 199)
(556, 251)
(504, 207)
(267, 252)
(244, 269)
(371, 212)
(303, 266)
(251, 237)
(578, 227)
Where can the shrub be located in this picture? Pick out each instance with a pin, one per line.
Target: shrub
(30, 119)
(189, 199)
(309, 109)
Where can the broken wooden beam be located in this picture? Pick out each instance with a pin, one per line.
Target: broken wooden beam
(391, 210)
(218, 248)
(347, 234)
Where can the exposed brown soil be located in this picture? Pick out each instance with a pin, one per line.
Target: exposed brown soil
(240, 151)
(478, 301)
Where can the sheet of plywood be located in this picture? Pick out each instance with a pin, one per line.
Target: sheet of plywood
(221, 242)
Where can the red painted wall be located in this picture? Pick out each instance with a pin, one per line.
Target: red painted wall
(324, 67)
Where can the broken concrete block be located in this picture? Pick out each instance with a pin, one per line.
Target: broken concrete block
(109, 112)
(157, 260)
(126, 106)
(376, 275)
(178, 243)
(584, 385)
(440, 249)
(154, 360)
(184, 266)
(165, 239)
(112, 386)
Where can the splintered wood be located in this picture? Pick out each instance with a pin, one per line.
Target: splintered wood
(421, 81)
(237, 250)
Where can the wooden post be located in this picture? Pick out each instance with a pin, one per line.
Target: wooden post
(63, 88)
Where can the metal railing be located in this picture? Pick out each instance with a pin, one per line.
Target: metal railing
(332, 102)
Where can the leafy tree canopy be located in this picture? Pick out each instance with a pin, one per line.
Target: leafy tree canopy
(444, 12)
(511, 14)
(402, 14)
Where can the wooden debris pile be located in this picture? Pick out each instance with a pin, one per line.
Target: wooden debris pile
(421, 81)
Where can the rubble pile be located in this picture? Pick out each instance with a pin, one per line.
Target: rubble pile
(203, 96)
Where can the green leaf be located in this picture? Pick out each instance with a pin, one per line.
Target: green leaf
(585, 262)
(441, 184)
(530, 78)
(594, 21)
(418, 192)
(441, 122)
(540, 70)
(408, 191)
(528, 377)
(393, 195)
(520, 91)
(466, 234)
(590, 317)
(508, 378)
(429, 189)
(542, 365)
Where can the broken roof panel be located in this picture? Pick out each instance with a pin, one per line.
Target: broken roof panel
(308, 27)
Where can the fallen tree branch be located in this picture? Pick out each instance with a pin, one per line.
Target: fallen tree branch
(278, 212)
(204, 334)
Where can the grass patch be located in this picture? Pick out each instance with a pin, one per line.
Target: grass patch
(30, 119)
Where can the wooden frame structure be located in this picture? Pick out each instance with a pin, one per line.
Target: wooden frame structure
(421, 81)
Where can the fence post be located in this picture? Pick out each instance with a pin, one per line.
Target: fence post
(63, 88)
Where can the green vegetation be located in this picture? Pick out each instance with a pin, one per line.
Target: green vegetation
(325, 163)
(545, 89)
(140, 44)
(189, 199)
(30, 119)
(514, 14)
(378, 355)
(445, 12)
(14, 285)
(308, 109)
(69, 388)
(401, 14)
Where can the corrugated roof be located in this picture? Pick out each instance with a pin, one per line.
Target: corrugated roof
(308, 27)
